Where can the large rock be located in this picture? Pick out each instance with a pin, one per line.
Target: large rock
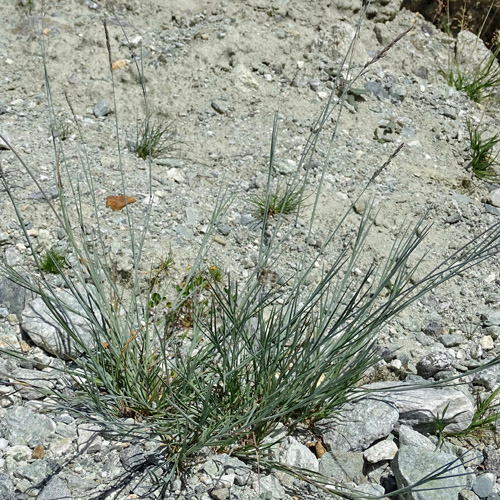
(56, 488)
(412, 464)
(342, 466)
(45, 331)
(21, 426)
(420, 407)
(359, 424)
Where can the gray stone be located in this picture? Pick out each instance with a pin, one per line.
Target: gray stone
(489, 378)
(7, 490)
(224, 229)
(12, 296)
(494, 197)
(491, 317)
(296, 454)
(220, 493)
(24, 427)
(133, 457)
(269, 488)
(467, 495)
(483, 485)
(373, 489)
(102, 108)
(383, 450)
(376, 89)
(358, 425)
(44, 330)
(412, 464)
(452, 339)
(184, 231)
(434, 362)
(491, 460)
(409, 437)
(419, 407)
(55, 489)
(220, 106)
(433, 325)
(89, 439)
(342, 466)
(34, 472)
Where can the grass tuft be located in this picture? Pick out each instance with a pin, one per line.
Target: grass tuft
(278, 202)
(155, 138)
(483, 161)
(53, 261)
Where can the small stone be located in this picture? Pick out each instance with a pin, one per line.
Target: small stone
(452, 339)
(89, 440)
(490, 318)
(433, 363)
(219, 239)
(224, 229)
(342, 466)
(56, 488)
(383, 450)
(296, 454)
(487, 343)
(494, 197)
(102, 108)
(483, 485)
(220, 493)
(134, 41)
(285, 167)
(269, 488)
(220, 106)
(467, 495)
(176, 175)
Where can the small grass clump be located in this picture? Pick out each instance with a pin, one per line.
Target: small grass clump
(53, 261)
(483, 159)
(278, 202)
(155, 138)
(481, 84)
(483, 424)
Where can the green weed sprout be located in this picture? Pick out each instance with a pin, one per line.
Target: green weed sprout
(482, 159)
(53, 261)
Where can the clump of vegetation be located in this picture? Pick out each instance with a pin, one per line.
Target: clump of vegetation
(483, 424)
(280, 201)
(53, 261)
(483, 159)
(155, 138)
(481, 84)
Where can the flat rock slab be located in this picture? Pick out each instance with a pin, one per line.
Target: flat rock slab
(420, 407)
(45, 331)
(412, 464)
(358, 425)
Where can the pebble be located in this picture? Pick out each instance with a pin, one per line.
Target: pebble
(102, 108)
(494, 197)
(483, 485)
(487, 343)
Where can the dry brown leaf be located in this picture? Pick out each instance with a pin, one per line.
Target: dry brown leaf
(119, 64)
(118, 202)
(38, 452)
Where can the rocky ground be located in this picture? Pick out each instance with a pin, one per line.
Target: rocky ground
(217, 71)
